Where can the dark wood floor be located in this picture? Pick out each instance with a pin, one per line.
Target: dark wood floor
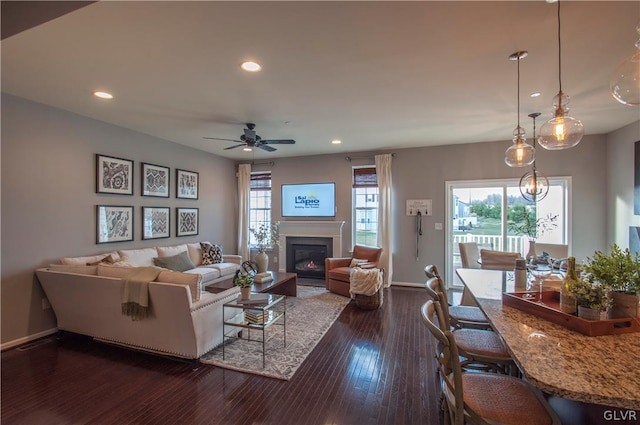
(372, 367)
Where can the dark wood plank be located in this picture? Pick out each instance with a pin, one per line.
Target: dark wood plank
(372, 367)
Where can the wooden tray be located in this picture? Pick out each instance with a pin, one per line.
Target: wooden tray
(550, 311)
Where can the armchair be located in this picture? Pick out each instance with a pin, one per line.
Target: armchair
(338, 270)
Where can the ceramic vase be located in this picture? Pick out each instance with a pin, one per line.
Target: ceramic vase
(532, 250)
(245, 293)
(262, 259)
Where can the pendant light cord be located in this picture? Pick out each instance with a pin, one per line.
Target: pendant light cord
(559, 53)
(518, 92)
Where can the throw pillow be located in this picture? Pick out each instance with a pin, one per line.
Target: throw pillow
(211, 254)
(355, 262)
(178, 263)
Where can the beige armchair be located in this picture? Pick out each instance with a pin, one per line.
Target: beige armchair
(338, 270)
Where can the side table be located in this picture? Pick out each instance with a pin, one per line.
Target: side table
(257, 314)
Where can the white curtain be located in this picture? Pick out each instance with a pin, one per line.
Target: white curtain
(244, 188)
(383, 171)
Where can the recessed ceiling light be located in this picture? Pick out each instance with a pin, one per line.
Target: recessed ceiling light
(250, 66)
(535, 94)
(336, 142)
(103, 95)
(247, 149)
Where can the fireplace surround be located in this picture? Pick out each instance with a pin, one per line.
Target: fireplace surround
(309, 229)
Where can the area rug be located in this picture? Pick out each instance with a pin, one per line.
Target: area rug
(309, 317)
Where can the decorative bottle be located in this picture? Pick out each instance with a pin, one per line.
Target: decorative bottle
(567, 299)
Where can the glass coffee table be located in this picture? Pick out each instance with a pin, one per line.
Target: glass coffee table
(255, 314)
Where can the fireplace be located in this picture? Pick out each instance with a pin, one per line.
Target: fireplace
(305, 255)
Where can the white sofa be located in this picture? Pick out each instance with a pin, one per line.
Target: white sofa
(185, 321)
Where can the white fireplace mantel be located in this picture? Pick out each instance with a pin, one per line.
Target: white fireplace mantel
(320, 229)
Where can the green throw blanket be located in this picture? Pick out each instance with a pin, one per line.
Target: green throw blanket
(135, 295)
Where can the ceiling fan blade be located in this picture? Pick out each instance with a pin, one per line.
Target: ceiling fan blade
(266, 148)
(234, 146)
(279, 142)
(228, 140)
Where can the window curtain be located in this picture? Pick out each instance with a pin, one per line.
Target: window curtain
(244, 188)
(383, 171)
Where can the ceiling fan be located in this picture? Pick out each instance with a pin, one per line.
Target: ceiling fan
(252, 140)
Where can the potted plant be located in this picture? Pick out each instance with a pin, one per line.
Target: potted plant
(592, 299)
(244, 282)
(525, 223)
(619, 274)
(266, 236)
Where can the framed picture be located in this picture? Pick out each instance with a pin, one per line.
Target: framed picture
(155, 222)
(114, 175)
(186, 184)
(187, 221)
(155, 180)
(114, 223)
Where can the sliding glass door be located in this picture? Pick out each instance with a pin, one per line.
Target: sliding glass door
(480, 211)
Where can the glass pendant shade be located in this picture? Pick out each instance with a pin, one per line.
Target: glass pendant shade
(520, 153)
(534, 185)
(625, 83)
(562, 131)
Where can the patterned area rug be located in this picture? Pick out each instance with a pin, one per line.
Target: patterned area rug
(302, 336)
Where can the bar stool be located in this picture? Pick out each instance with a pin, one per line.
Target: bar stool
(477, 397)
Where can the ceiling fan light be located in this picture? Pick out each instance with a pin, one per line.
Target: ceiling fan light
(247, 149)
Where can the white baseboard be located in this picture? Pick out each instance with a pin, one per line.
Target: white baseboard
(28, 338)
(410, 284)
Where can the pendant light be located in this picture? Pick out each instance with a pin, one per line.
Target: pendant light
(520, 154)
(534, 185)
(562, 131)
(625, 84)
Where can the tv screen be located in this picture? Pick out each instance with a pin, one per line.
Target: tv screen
(309, 200)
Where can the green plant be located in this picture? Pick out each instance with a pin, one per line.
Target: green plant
(591, 295)
(242, 280)
(525, 223)
(266, 236)
(617, 271)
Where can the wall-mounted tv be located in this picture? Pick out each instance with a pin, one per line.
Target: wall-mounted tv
(309, 200)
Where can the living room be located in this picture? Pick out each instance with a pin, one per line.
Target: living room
(49, 200)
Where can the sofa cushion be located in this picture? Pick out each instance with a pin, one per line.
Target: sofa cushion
(179, 262)
(90, 270)
(108, 270)
(356, 261)
(169, 251)
(211, 254)
(340, 273)
(139, 257)
(83, 261)
(194, 281)
(195, 252)
(208, 274)
(225, 269)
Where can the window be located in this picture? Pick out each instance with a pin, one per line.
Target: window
(479, 211)
(259, 202)
(365, 206)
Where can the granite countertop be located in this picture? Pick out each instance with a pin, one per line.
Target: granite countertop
(602, 370)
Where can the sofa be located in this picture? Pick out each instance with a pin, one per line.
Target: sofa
(185, 321)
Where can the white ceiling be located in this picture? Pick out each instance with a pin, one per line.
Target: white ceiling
(378, 75)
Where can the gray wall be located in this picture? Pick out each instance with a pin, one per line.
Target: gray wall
(48, 195)
(620, 151)
(49, 199)
(422, 172)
